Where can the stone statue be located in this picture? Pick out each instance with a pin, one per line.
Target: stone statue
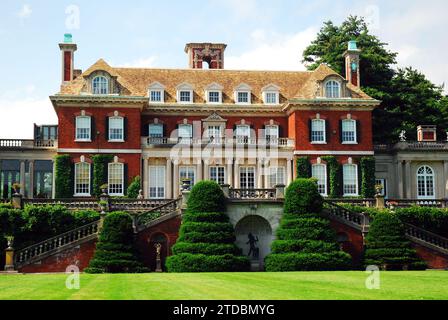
(158, 247)
(254, 251)
(402, 136)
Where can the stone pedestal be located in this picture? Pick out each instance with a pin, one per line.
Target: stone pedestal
(17, 201)
(226, 189)
(185, 196)
(9, 261)
(280, 191)
(380, 203)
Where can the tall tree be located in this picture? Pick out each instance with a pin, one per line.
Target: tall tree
(408, 98)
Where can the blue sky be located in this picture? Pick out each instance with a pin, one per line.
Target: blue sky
(261, 34)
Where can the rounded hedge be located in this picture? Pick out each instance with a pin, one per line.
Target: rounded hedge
(206, 196)
(310, 246)
(187, 262)
(206, 248)
(387, 246)
(302, 197)
(305, 261)
(205, 217)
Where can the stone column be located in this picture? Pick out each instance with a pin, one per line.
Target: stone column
(288, 172)
(229, 172)
(31, 168)
(266, 176)
(400, 179)
(199, 171)
(259, 173)
(176, 190)
(168, 179)
(294, 169)
(408, 179)
(145, 178)
(236, 175)
(53, 184)
(445, 179)
(22, 177)
(206, 170)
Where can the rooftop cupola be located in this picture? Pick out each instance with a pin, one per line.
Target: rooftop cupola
(68, 49)
(352, 73)
(205, 54)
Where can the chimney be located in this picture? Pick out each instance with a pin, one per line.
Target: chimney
(351, 56)
(68, 49)
(209, 53)
(426, 133)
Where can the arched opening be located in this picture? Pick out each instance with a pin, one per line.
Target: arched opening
(343, 240)
(254, 238)
(425, 183)
(158, 238)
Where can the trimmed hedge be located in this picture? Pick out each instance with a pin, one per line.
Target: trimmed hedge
(134, 188)
(302, 196)
(303, 167)
(368, 177)
(206, 240)
(387, 246)
(206, 196)
(63, 176)
(115, 252)
(305, 241)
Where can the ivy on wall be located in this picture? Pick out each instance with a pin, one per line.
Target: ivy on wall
(303, 167)
(368, 177)
(63, 176)
(100, 168)
(334, 173)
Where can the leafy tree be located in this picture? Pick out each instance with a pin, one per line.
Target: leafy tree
(408, 98)
(134, 188)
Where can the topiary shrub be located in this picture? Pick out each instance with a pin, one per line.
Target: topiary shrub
(134, 188)
(305, 241)
(115, 252)
(387, 246)
(302, 196)
(206, 240)
(206, 196)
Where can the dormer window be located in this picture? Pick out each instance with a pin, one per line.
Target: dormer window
(185, 93)
(213, 93)
(271, 94)
(332, 89)
(214, 97)
(156, 93)
(100, 85)
(243, 94)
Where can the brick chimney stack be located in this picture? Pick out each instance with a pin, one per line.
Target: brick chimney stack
(210, 53)
(352, 73)
(68, 49)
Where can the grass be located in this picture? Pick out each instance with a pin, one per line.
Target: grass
(228, 286)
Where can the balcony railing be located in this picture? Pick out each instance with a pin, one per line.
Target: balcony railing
(27, 144)
(252, 194)
(413, 146)
(237, 141)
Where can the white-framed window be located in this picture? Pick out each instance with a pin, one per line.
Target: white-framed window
(271, 132)
(155, 130)
(185, 133)
(350, 179)
(319, 172)
(187, 173)
(83, 128)
(82, 179)
(243, 130)
(383, 184)
(214, 96)
(100, 85)
(349, 131)
(271, 97)
(247, 177)
(243, 97)
(157, 182)
(276, 176)
(156, 96)
(185, 96)
(214, 133)
(116, 129)
(425, 183)
(318, 131)
(116, 179)
(218, 174)
(332, 89)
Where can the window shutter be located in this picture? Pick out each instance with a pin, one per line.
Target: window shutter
(340, 131)
(359, 177)
(327, 131)
(164, 131)
(92, 129)
(71, 183)
(310, 129)
(92, 190)
(74, 127)
(125, 179)
(358, 131)
(280, 131)
(106, 133)
(125, 128)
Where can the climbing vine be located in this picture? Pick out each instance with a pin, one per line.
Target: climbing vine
(334, 171)
(100, 167)
(303, 167)
(63, 176)
(368, 177)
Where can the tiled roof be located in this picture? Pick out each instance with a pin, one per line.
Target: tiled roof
(135, 82)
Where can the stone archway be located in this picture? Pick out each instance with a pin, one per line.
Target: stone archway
(257, 230)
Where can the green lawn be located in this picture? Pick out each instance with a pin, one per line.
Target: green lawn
(226, 286)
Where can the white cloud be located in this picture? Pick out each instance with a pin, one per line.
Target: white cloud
(25, 11)
(19, 116)
(273, 51)
(148, 62)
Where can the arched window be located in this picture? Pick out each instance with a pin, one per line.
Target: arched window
(82, 179)
(332, 89)
(100, 85)
(425, 183)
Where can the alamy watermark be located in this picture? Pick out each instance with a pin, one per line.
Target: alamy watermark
(373, 281)
(73, 279)
(73, 19)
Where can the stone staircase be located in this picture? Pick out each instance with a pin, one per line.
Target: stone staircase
(361, 221)
(159, 211)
